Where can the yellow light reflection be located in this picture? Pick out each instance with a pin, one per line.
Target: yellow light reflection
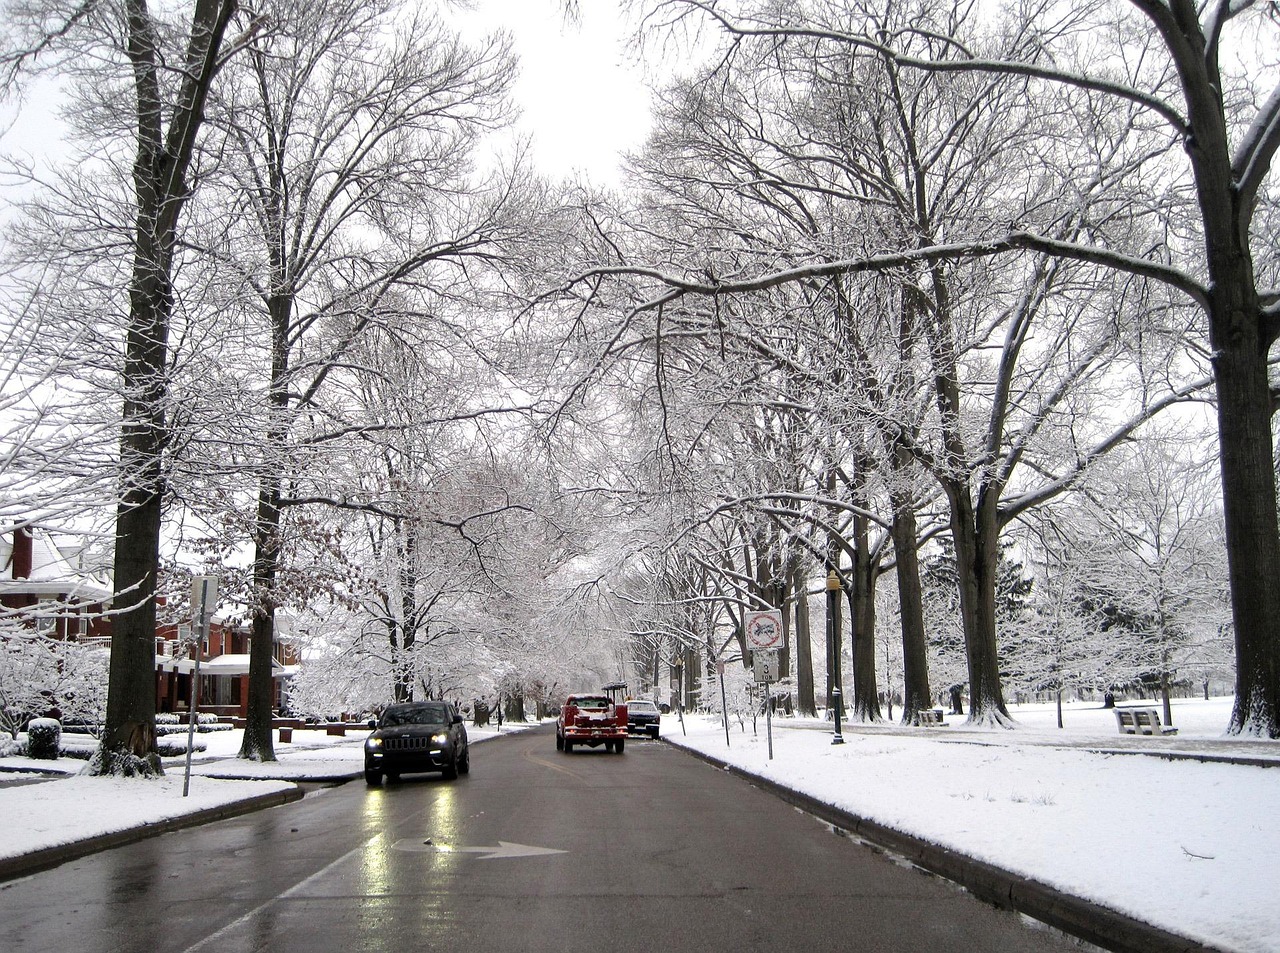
(374, 870)
(442, 817)
(434, 917)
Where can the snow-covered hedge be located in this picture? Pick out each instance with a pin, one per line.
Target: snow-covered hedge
(203, 719)
(181, 729)
(44, 737)
(173, 746)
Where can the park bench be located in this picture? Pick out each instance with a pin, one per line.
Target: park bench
(1141, 721)
(931, 716)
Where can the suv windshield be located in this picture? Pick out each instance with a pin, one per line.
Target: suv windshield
(420, 715)
(637, 705)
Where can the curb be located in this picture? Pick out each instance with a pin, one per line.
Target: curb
(1085, 919)
(47, 857)
(315, 777)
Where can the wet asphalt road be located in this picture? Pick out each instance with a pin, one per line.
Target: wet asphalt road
(656, 851)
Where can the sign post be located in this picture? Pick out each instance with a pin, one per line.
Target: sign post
(765, 664)
(724, 705)
(764, 639)
(204, 596)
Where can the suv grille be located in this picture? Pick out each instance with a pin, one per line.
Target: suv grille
(407, 744)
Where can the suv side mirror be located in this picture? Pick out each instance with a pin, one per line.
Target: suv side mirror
(457, 719)
(373, 723)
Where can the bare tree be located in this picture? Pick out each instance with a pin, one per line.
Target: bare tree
(938, 161)
(1155, 547)
(1229, 132)
(346, 185)
(172, 67)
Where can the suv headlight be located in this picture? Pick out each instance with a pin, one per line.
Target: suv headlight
(440, 738)
(373, 743)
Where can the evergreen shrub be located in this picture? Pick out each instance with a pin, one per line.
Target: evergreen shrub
(44, 737)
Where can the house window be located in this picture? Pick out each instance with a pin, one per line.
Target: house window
(47, 625)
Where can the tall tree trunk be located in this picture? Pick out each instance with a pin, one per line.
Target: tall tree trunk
(689, 672)
(160, 189)
(862, 617)
(803, 647)
(976, 538)
(1249, 502)
(257, 743)
(408, 559)
(916, 695)
(1240, 338)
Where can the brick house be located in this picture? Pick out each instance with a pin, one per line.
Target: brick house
(45, 584)
(224, 669)
(48, 587)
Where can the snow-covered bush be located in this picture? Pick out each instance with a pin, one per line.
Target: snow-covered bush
(44, 737)
(168, 723)
(28, 673)
(740, 694)
(172, 746)
(40, 675)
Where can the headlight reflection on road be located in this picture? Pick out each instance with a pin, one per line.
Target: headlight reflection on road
(374, 869)
(441, 826)
(441, 823)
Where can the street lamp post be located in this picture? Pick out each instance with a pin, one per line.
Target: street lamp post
(833, 639)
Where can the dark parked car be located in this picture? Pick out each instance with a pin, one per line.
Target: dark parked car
(416, 736)
(643, 716)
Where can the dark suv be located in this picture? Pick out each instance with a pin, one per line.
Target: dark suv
(643, 716)
(416, 736)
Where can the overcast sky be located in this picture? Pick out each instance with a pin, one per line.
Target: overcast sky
(580, 85)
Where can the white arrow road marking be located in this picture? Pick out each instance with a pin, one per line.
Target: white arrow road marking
(504, 849)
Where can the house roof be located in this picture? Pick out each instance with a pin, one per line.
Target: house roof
(56, 570)
(234, 663)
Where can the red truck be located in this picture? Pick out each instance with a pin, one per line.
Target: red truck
(591, 720)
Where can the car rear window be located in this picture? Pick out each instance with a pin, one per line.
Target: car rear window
(642, 706)
(589, 701)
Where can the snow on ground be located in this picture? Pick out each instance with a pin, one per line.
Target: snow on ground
(37, 816)
(1192, 847)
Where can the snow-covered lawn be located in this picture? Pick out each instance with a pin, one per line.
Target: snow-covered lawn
(1192, 847)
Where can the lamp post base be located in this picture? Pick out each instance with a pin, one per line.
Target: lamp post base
(837, 703)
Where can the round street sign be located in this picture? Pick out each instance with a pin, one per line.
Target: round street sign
(764, 630)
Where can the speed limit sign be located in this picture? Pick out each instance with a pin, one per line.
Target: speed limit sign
(764, 630)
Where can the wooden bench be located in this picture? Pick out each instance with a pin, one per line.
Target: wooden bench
(930, 717)
(1141, 721)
